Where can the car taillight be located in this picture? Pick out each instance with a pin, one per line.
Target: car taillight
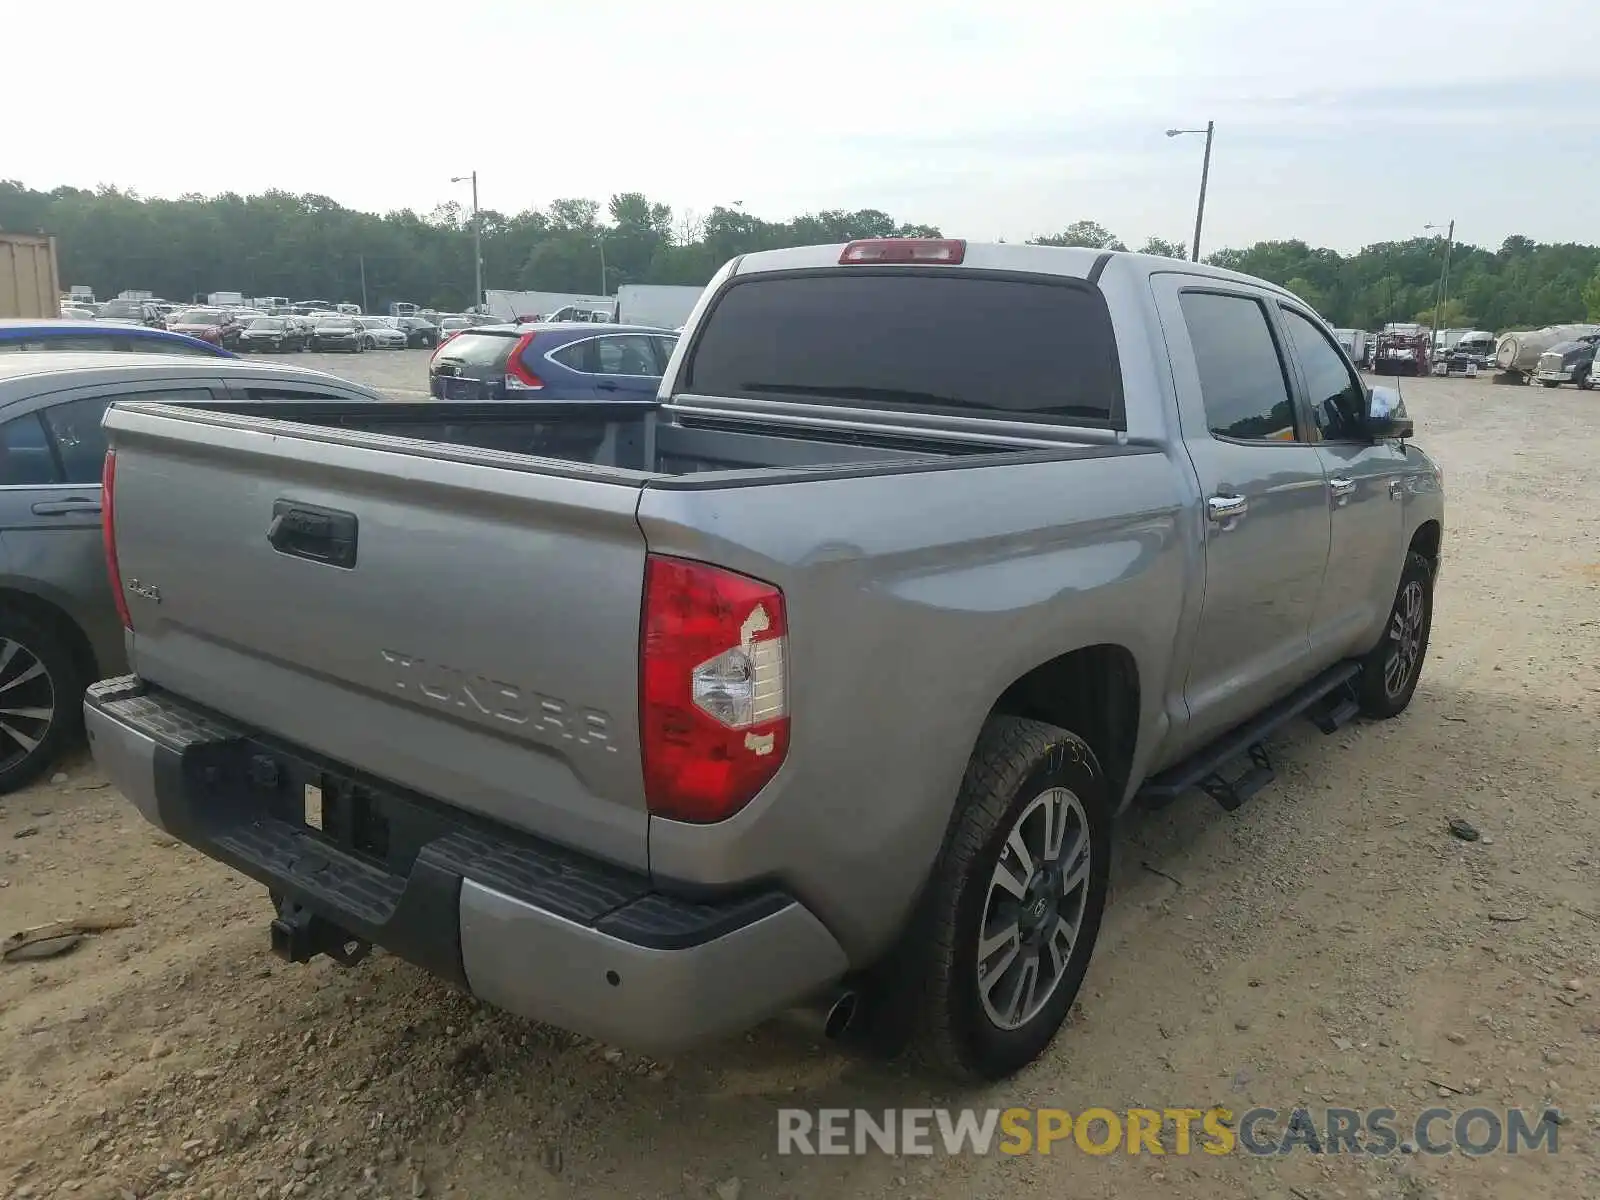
(713, 698)
(905, 250)
(108, 535)
(518, 377)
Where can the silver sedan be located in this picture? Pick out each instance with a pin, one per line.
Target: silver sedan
(381, 333)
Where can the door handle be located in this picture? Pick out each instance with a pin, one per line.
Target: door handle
(605, 385)
(1226, 508)
(73, 504)
(1342, 489)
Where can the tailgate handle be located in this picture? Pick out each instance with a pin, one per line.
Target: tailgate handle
(309, 531)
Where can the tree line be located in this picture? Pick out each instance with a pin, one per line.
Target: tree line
(279, 244)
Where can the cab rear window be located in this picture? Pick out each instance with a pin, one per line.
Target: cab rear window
(957, 342)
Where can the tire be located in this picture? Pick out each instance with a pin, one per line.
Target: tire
(1024, 780)
(39, 674)
(1551, 383)
(1390, 672)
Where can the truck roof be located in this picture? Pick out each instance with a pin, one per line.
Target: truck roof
(1076, 261)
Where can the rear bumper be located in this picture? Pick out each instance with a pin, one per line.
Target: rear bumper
(527, 926)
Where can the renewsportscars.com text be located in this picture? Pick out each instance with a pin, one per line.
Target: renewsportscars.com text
(1176, 1131)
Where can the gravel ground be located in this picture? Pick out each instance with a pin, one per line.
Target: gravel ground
(402, 374)
(1331, 943)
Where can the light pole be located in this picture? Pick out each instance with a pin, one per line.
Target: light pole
(1441, 297)
(600, 241)
(477, 241)
(1205, 176)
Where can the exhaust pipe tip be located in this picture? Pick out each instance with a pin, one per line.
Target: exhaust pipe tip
(841, 1015)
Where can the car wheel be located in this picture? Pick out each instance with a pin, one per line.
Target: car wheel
(992, 963)
(42, 689)
(1551, 382)
(1390, 672)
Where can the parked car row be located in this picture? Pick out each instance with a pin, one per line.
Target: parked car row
(224, 325)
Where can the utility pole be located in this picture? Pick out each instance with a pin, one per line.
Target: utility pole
(600, 240)
(477, 241)
(1441, 297)
(362, 259)
(1205, 178)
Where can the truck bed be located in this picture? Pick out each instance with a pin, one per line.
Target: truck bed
(449, 596)
(625, 442)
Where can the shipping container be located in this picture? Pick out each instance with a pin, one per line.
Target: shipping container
(30, 282)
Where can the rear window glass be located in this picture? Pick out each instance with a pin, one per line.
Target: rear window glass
(479, 349)
(962, 343)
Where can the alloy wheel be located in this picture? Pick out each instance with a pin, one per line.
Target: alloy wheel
(1034, 908)
(27, 702)
(1405, 638)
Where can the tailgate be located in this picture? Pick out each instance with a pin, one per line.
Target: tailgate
(469, 631)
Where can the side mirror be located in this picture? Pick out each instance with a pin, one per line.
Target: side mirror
(1386, 415)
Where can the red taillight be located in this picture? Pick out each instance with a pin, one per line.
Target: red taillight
(713, 698)
(518, 377)
(108, 535)
(905, 250)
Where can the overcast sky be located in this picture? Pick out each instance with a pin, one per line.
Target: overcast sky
(1341, 123)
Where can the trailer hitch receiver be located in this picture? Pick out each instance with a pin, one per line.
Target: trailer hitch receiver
(299, 935)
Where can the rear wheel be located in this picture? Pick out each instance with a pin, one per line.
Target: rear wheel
(41, 698)
(1015, 902)
(1551, 382)
(1391, 670)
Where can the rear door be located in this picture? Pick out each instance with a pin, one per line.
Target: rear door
(577, 370)
(1267, 525)
(1366, 493)
(627, 367)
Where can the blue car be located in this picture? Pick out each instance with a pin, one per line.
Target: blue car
(82, 336)
(554, 361)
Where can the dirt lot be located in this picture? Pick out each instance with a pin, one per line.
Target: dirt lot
(1330, 944)
(402, 374)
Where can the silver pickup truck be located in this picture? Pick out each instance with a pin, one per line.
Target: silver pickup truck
(820, 681)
